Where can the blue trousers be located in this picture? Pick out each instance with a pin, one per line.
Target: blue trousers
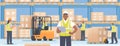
(9, 37)
(82, 35)
(65, 40)
(114, 37)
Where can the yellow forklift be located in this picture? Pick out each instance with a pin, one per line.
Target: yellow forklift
(40, 30)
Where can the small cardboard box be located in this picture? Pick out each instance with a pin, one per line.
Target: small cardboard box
(10, 0)
(53, 0)
(24, 0)
(78, 17)
(40, 1)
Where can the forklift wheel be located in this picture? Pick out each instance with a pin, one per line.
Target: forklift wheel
(39, 39)
(33, 38)
(44, 38)
(50, 39)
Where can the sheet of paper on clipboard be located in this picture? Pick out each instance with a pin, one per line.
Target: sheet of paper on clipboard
(62, 29)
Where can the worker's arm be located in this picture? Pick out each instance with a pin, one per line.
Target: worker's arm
(75, 29)
(59, 24)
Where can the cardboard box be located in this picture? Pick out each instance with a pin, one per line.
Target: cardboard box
(42, 1)
(24, 0)
(10, 13)
(24, 33)
(10, 0)
(111, 1)
(68, 1)
(55, 17)
(26, 18)
(78, 17)
(97, 16)
(96, 35)
(114, 18)
(97, 1)
(53, 0)
(39, 14)
(35, 44)
(56, 35)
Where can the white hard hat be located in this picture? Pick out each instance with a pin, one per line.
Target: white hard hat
(65, 12)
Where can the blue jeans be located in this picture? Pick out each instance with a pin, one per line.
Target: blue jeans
(65, 39)
(9, 37)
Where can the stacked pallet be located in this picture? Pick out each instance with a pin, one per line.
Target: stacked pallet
(68, 1)
(77, 35)
(70, 13)
(97, 35)
(97, 16)
(97, 1)
(10, 13)
(110, 18)
(39, 14)
(10, 0)
(44, 44)
(24, 33)
(24, 1)
(25, 21)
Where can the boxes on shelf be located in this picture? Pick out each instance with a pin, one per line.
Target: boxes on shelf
(10, 13)
(24, 0)
(56, 35)
(24, 33)
(25, 18)
(53, 1)
(111, 1)
(97, 16)
(25, 25)
(78, 17)
(96, 35)
(77, 35)
(39, 14)
(97, 1)
(14, 32)
(36, 44)
(68, 1)
(10, 0)
(111, 18)
(42, 1)
(55, 17)
(69, 11)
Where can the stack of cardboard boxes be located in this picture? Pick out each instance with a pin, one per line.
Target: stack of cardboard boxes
(80, 18)
(25, 21)
(53, 1)
(42, 1)
(110, 18)
(68, 1)
(111, 1)
(97, 1)
(24, 0)
(10, 13)
(10, 0)
(97, 16)
(55, 18)
(24, 33)
(44, 44)
(70, 13)
(39, 14)
(97, 35)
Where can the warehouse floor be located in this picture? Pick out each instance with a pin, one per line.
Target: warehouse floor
(55, 42)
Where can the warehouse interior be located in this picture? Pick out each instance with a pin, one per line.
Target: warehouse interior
(97, 14)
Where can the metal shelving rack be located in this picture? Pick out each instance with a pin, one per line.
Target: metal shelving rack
(60, 5)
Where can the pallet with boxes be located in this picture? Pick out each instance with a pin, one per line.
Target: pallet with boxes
(24, 1)
(97, 35)
(68, 1)
(24, 33)
(44, 1)
(25, 21)
(10, 1)
(99, 16)
(104, 1)
(77, 35)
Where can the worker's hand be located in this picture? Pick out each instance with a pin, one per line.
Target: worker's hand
(58, 31)
(71, 33)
